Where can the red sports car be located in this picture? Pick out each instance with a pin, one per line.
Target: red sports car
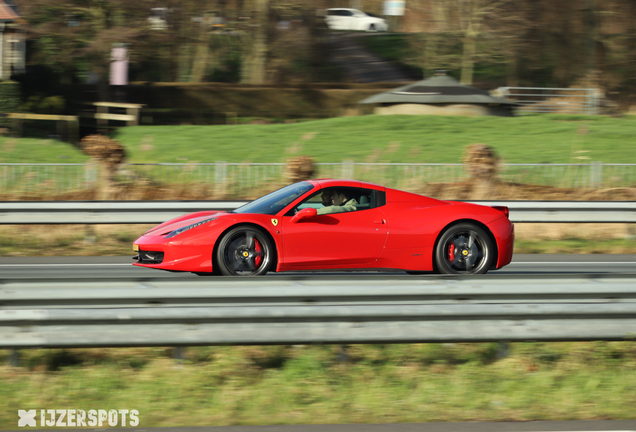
(333, 224)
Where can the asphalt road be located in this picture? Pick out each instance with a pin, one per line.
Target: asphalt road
(121, 267)
(359, 64)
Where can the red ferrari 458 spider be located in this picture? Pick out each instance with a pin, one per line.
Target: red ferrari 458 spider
(333, 224)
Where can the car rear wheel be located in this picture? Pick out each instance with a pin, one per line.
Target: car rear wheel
(244, 251)
(372, 28)
(464, 249)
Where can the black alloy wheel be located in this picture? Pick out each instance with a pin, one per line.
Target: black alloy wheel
(244, 251)
(464, 249)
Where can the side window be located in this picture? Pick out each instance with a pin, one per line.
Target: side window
(364, 199)
(379, 198)
(358, 200)
(348, 13)
(314, 201)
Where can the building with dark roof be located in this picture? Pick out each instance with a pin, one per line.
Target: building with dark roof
(12, 41)
(440, 95)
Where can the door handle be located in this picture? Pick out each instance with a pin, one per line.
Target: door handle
(380, 222)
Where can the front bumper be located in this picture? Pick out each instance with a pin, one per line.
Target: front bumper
(175, 256)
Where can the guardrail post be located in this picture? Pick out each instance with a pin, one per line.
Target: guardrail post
(14, 358)
(178, 354)
(503, 350)
(90, 236)
(343, 356)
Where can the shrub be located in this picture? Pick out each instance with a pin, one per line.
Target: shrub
(9, 99)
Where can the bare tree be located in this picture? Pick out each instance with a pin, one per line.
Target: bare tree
(470, 23)
(472, 20)
(255, 59)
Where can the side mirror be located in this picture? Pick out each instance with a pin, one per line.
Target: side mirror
(304, 214)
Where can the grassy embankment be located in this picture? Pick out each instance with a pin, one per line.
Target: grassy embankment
(429, 139)
(426, 139)
(532, 139)
(314, 384)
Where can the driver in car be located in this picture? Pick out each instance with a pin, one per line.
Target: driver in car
(326, 198)
(342, 202)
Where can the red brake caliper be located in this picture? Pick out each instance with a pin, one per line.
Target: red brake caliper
(258, 256)
(451, 252)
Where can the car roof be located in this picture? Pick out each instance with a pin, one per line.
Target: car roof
(328, 182)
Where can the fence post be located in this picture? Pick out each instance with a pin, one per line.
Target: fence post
(592, 101)
(220, 177)
(596, 175)
(347, 169)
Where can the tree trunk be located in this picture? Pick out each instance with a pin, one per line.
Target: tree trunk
(468, 60)
(200, 60)
(253, 69)
(512, 74)
(430, 54)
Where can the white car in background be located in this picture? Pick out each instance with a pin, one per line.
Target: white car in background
(353, 19)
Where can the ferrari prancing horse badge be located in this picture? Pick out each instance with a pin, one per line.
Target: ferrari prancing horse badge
(274, 222)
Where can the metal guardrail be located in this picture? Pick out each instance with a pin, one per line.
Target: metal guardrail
(147, 212)
(104, 212)
(437, 309)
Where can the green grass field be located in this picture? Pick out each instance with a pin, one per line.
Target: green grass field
(36, 150)
(317, 384)
(426, 139)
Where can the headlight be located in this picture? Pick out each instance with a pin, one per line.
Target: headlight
(189, 227)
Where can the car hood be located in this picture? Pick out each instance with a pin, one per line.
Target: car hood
(184, 221)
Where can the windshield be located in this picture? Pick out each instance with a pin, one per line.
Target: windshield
(274, 202)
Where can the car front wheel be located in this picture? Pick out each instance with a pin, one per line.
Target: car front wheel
(244, 251)
(464, 249)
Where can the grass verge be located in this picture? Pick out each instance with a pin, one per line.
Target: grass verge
(576, 246)
(105, 240)
(397, 138)
(318, 384)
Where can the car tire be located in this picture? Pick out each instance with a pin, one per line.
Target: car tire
(464, 248)
(244, 251)
(372, 28)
